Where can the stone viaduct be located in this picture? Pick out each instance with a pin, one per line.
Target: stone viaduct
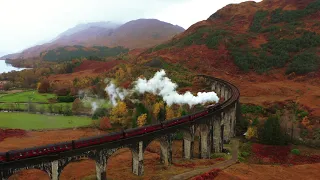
(213, 130)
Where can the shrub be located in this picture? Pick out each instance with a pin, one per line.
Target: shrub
(243, 59)
(295, 151)
(67, 110)
(257, 20)
(271, 133)
(255, 122)
(304, 63)
(214, 38)
(245, 150)
(271, 29)
(253, 109)
(99, 113)
(65, 99)
(279, 15)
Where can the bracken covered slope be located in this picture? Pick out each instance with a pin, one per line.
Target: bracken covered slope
(270, 50)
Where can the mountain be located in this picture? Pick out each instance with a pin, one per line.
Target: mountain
(139, 33)
(270, 50)
(10, 56)
(82, 27)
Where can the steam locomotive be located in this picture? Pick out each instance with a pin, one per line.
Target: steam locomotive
(14, 155)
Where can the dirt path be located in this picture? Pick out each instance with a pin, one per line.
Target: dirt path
(223, 165)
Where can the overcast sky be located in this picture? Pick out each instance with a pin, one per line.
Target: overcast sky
(24, 23)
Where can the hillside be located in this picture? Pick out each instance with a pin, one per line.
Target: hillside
(68, 53)
(253, 37)
(139, 33)
(270, 50)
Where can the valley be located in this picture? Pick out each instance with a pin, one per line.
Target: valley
(100, 78)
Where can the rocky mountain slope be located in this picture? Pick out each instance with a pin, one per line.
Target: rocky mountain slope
(134, 34)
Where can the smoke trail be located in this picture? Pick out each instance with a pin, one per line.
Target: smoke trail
(115, 93)
(163, 86)
(90, 100)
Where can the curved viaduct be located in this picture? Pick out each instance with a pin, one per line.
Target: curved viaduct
(214, 129)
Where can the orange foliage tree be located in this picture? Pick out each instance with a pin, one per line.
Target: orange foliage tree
(169, 113)
(119, 114)
(156, 109)
(43, 86)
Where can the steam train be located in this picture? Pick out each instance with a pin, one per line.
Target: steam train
(14, 155)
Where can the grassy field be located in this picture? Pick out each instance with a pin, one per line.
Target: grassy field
(35, 121)
(24, 97)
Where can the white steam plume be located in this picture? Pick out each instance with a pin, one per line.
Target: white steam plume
(115, 93)
(163, 86)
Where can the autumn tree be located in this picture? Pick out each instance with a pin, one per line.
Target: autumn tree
(77, 106)
(169, 113)
(142, 120)
(252, 132)
(156, 110)
(120, 74)
(119, 114)
(43, 86)
(139, 110)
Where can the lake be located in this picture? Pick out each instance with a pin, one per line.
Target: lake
(4, 67)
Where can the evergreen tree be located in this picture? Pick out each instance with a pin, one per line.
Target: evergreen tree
(271, 132)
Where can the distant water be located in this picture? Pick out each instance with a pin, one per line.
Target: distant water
(4, 67)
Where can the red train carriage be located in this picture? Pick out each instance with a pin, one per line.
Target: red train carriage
(198, 114)
(176, 121)
(98, 139)
(38, 151)
(152, 128)
(3, 157)
(134, 132)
